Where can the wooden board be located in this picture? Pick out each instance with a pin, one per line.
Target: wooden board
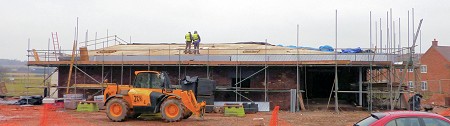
(211, 63)
(93, 85)
(72, 59)
(35, 55)
(300, 99)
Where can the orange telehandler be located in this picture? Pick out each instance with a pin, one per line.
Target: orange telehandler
(150, 93)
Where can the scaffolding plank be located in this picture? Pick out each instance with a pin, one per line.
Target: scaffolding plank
(93, 85)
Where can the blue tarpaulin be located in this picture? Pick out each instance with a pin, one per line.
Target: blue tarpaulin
(326, 48)
(352, 50)
(291, 46)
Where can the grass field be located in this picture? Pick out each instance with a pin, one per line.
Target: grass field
(17, 87)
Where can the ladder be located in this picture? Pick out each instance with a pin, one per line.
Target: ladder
(56, 46)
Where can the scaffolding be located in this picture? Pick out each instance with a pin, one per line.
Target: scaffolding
(173, 56)
(378, 66)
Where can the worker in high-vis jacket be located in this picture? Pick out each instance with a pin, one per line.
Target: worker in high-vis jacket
(189, 39)
(197, 39)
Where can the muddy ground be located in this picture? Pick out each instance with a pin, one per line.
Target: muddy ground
(36, 115)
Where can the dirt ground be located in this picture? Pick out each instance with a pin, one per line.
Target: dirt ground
(37, 115)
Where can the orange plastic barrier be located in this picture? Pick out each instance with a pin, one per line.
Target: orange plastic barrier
(274, 118)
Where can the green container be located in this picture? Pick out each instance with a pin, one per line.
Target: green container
(87, 107)
(234, 111)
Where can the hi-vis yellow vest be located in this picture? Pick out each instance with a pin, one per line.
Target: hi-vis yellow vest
(188, 37)
(195, 36)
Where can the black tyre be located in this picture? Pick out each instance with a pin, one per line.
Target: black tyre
(117, 109)
(172, 110)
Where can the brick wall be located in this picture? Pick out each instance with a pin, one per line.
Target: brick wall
(437, 70)
(278, 78)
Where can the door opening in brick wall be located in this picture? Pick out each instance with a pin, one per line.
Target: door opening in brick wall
(319, 84)
(319, 81)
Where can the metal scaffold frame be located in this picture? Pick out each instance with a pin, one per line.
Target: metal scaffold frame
(376, 65)
(78, 65)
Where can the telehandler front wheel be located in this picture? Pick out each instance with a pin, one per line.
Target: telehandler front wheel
(117, 109)
(172, 110)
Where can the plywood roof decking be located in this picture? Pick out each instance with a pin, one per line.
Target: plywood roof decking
(216, 54)
(211, 63)
(205, 48)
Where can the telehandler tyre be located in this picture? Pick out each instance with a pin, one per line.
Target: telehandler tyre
(117, 109)
(172, 110)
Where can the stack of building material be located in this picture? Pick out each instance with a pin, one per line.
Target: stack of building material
(205, 92)
(250, 108)
(99, 101)
(190, 83)
(71, 100)
(203, 89)
(52, 103)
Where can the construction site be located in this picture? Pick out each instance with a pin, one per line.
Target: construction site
(244, 71)
(290, 82)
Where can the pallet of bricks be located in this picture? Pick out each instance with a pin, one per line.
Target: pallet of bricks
(99, 101)
(71, 100)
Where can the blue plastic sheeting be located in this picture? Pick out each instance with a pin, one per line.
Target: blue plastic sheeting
(352, 50)
(308, 48)
(301, 47)
(291, 46)
(326, 48)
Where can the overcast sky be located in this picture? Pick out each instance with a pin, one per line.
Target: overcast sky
(215, 20)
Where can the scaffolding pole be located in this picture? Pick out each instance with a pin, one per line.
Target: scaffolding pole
(390, 73)
(360, 86)
(336, 103)
(297, 75)
(236, 76)
(207, 66)
(265, 72)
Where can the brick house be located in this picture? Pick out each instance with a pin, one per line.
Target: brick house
(434, 74)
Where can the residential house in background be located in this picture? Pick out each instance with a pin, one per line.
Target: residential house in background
(433, 75)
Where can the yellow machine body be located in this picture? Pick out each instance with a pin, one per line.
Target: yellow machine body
(148, 94)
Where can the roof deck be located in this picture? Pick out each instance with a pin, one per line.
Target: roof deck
(214, 54)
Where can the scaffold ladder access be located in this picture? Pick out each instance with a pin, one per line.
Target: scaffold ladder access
(56, 46)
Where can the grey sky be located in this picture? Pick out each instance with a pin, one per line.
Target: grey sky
(215, 20)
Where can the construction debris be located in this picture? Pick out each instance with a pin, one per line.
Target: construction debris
(30, 100)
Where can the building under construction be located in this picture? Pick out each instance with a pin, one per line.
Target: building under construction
(244, 71)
